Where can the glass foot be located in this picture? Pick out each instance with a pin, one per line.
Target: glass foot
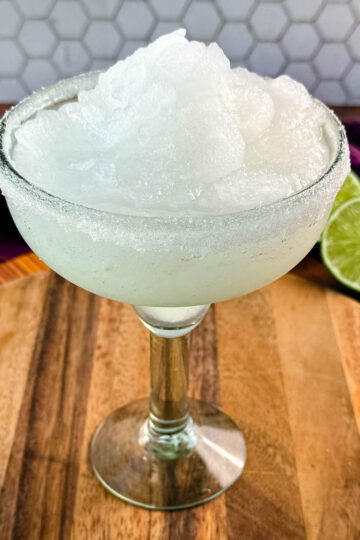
(128, 463)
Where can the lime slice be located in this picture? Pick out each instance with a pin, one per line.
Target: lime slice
(349, 190)
(340, 244)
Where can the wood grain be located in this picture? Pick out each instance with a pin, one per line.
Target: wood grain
(43, 464)
(253, 393)
(283, 362)
(15, 358)
(21, 266)
(328, 465)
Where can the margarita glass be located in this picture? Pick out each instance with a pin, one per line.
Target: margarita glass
(153, 453)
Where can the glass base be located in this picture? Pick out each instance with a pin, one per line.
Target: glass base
(126, 459)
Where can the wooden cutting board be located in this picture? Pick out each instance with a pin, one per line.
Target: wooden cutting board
(284, 362)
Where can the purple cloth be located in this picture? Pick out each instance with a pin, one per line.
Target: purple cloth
(353, 133)
(12, 244)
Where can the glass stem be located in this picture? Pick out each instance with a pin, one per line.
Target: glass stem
(169, 374)
(169, 431)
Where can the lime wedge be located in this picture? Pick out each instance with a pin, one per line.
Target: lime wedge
(340, 244)
(349, 190)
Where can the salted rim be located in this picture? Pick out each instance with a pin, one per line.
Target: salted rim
(59, 89)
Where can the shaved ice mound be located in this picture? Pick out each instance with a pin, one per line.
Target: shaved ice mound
(173, 129)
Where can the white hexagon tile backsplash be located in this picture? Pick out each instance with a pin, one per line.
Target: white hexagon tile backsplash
(315, 41)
